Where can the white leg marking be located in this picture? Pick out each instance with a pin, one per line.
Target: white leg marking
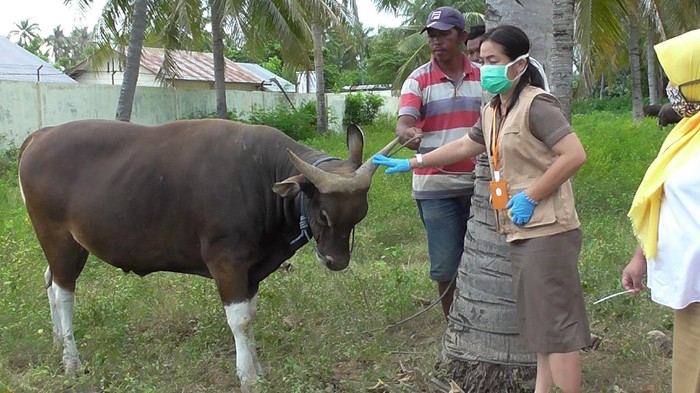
(240, 321)
(64, 306)
(251, 336)
(51, 292)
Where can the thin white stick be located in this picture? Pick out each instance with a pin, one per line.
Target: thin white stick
(612, 296)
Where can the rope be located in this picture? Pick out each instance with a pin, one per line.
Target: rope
(416, 315)
(437, 169)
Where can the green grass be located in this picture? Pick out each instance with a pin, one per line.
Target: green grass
(315, 329)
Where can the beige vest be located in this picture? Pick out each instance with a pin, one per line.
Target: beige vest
(523, 159)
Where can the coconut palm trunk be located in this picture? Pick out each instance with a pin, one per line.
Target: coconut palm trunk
(133, 61)
(635, 68)
(217, 10)
(482, 342)
(317, 32)
(562, 55)
(651, 68)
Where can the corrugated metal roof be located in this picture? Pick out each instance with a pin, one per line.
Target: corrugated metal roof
(18, 64)
(195, 66)
(266, 75)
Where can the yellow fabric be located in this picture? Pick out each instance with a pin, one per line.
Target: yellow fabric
(680, 58)
(680, 145)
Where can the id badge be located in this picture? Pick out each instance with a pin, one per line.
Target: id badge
(499, 194)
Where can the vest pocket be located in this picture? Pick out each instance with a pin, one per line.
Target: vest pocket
(544, 213)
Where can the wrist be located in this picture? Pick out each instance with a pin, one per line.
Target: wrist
(419, 161)
(527, 197)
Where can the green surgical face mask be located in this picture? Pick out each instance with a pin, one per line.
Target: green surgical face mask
(494, 78)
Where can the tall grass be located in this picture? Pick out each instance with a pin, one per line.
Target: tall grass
(316, 329)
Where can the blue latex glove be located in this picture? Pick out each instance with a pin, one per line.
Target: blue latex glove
(521, 208)
(395, 164)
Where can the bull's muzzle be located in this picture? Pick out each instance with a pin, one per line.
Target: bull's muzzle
(334, 264)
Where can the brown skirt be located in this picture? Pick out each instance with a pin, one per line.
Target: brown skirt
(547, 287)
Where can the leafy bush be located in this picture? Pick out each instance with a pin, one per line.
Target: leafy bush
(211, 115)
(362, 108)
(298, 123)
(609, 104)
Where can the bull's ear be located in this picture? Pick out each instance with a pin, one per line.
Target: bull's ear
(290, 187)
(356, 143)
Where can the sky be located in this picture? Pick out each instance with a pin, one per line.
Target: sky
(47, 14)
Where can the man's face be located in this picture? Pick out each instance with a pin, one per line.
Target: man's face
(473, 50)
(445, 44)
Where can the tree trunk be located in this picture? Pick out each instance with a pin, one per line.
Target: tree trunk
(636, 70)
(651, 69)
(602, 87)
(562, 55)
(133, 61)
(321, 113)
(535, 19)
(482, 338)
(216, 7)
(482, 341)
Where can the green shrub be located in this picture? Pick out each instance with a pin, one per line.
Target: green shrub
(298, 123)
(608, 104)
(362, 108)
(212, 115)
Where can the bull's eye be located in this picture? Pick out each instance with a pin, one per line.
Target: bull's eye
(325, 219)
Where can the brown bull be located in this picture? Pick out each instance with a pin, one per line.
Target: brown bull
(209, 197)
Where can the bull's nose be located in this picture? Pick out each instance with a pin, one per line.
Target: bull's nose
(331, 263)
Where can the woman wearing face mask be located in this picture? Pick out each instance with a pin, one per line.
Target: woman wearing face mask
(533, 152)
(665, 213)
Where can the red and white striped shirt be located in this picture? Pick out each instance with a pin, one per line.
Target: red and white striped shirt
(445, 110)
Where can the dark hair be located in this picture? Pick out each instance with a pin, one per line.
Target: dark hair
(515, 43)
(476, 32)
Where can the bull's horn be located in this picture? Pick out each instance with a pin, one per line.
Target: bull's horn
(364, 173)
(323, 180)
(327, 182)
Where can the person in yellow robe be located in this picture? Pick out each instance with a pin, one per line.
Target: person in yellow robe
(665, 214)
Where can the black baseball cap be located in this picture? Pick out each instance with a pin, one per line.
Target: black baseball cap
(444, 18)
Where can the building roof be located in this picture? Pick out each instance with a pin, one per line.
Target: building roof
(18, 64)
(195, 66)
(267, 76)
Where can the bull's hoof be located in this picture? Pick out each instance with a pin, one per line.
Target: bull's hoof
(248, 388)
(72, 365)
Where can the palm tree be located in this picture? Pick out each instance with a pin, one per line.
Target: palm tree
(342, 13)
(603, 29)
(133, 61)
(217, 16)
(317, 34)
(635, 64)
(562, 55)
(59, 43)
(482, 337)
(25, 32)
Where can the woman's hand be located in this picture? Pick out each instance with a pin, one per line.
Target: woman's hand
(395, 164)
(521, 208)
(634, 272)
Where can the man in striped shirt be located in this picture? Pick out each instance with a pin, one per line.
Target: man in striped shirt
(440, 102)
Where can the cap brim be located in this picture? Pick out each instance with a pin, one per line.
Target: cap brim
(438, 26)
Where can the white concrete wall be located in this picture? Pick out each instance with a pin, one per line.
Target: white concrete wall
(28, 106)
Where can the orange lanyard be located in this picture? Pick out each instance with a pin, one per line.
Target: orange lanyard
(495, 133)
